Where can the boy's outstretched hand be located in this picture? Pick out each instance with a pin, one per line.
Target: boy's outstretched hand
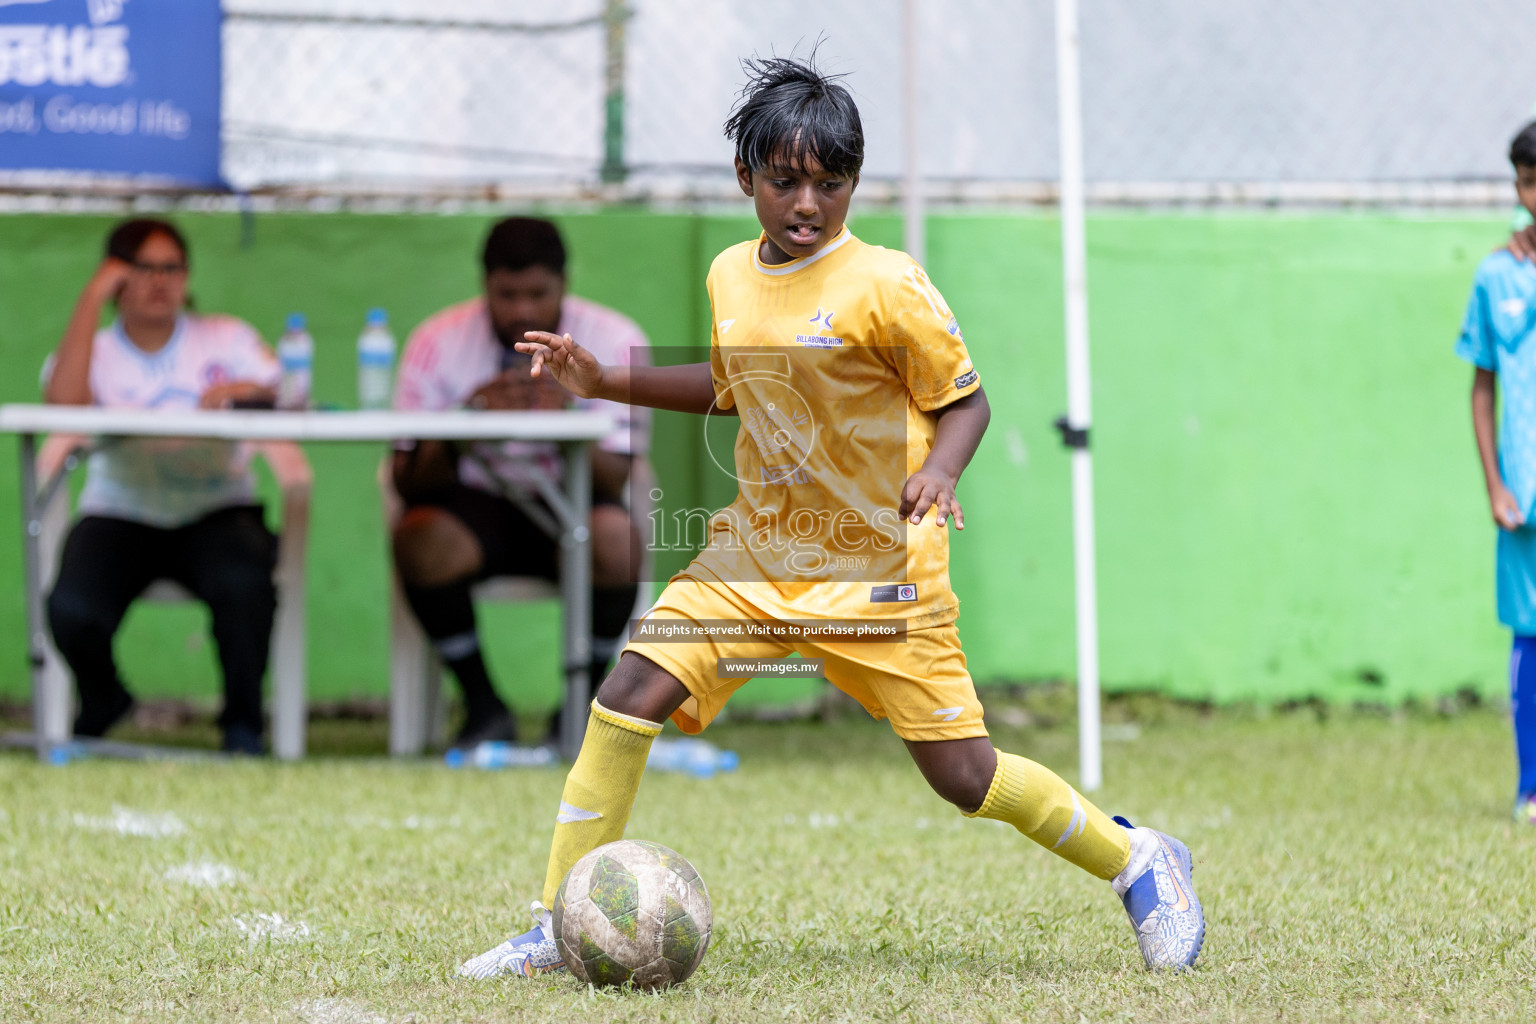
(928, 488)
(577, 370)
(1506, 510)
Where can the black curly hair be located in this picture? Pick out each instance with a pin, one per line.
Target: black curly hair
(1522, 149)
(790, 110)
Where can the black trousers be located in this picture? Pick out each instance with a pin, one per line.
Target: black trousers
(224, 559)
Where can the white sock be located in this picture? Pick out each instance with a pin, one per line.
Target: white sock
(1143, 848)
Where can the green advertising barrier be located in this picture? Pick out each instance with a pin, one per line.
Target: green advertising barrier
(1288, 499)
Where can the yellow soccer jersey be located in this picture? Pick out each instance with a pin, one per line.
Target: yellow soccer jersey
(835, 364)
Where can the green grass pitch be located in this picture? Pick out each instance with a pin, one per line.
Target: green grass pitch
(1353, 868)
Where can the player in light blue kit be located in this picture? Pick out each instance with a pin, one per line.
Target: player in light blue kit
(1498, 338)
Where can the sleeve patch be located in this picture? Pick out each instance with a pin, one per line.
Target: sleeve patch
(965, 380)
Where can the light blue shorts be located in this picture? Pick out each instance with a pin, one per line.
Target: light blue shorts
(1517, 579)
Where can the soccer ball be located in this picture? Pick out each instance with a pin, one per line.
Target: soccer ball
(632, 911)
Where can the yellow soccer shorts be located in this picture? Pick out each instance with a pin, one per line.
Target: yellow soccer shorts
(921, 685)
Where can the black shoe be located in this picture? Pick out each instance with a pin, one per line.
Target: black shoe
(500, 726)
(99, 715)
(242, 739)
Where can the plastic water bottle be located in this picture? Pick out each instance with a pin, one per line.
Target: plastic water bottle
(699, 758)
(296, 357)
(499, 754)
(375, 362)
(65, 753)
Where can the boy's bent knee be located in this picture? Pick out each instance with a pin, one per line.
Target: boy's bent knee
(640, 688)
(960, 771)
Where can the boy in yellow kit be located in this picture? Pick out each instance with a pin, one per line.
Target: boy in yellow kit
(859, 409)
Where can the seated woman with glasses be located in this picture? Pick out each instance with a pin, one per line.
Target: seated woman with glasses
(177, 509)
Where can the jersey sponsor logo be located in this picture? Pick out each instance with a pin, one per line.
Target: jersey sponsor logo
(965, 380)
(784, 475)
(1512, 307)
(948, 714)
(892, 592)
(777, 430)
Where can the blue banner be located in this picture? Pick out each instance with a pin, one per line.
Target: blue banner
(117, 87)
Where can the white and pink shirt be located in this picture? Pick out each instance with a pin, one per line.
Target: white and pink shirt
(170, 482)
(455, 352)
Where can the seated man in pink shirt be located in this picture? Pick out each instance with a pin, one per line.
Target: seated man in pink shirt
(467, 514)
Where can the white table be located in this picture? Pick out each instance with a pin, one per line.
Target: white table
(573, 431)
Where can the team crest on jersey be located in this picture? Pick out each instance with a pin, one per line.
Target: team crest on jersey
(1512, 307)
(823, 322)
(893, 592)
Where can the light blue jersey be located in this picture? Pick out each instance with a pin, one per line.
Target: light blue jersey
(1499, 334)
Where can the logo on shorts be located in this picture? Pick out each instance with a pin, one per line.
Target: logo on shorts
(949, 714)
(965, 380)
(892, 592)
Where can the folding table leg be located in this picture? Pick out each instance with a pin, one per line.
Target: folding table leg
(50, 693)
(576, 596)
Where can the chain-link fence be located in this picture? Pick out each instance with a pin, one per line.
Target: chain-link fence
(412, 94)
(1194, 99)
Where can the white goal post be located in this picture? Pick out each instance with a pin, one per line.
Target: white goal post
(1074, 426)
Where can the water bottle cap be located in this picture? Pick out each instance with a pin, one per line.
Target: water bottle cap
(377, 317)
(296, 321)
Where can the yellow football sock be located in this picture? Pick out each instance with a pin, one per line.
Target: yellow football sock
(1040, 804)
(600, 790)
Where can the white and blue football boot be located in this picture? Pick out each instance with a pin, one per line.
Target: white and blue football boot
(529, 954)
(1159, 896)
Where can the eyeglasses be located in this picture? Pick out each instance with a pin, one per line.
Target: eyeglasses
(160, 269)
